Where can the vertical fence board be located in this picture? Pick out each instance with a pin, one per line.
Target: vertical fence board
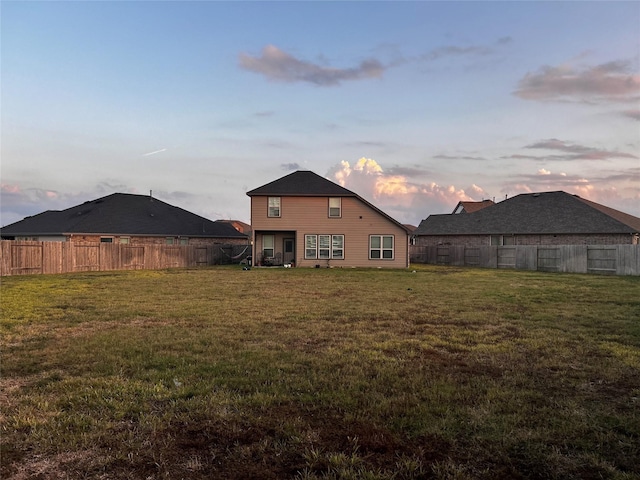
(506, 257)
(489, 256)
(628, 260)
(5, 258)
(526, 257)
(52, 257)
(110, 256)
(433, 254)
(573, 259)
(456, 255)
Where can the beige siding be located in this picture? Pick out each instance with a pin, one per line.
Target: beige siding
(310, 216)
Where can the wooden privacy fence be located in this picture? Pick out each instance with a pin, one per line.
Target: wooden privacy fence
(600, 259)
(23, 258)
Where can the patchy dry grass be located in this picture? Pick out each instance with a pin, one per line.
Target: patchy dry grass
(444, 373)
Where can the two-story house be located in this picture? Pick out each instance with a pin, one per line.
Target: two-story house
(305, 220)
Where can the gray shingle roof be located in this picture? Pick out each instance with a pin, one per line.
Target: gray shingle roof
(534, 213)
(302, 182)
(122, 214)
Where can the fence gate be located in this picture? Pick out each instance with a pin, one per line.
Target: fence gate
(133, 257)
(472, 256)
(601, 260)
(548, 259)
(201, 256)
(28, 257)
(86, 258)
(443, 255)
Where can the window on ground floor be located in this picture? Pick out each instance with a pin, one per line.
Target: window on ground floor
(337, 246)
(268, 245)
(381, 247)
(503, 240)
(324, 247)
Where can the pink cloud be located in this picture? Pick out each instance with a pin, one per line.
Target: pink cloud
(569, 151)
(609, 82)
(6, 188)
(634, 114)
(276, 64)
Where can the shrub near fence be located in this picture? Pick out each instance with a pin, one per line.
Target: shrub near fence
(598, 259)
(23, 258)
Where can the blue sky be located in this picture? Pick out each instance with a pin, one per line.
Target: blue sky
(413, 105)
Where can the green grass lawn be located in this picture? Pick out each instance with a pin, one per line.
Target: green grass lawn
(444, 373)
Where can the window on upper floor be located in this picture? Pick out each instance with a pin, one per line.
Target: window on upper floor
(274, 207)
(381, 247)
(335, 207)
(106, 239)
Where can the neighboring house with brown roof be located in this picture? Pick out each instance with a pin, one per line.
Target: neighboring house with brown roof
(124, 218)
(547, 218)
(242, 227)
(470, 207)
(307, 220)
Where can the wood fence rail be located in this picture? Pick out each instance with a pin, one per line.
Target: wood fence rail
(597, 259)
(25, 257)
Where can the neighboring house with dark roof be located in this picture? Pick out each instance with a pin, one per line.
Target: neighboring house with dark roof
(470, 207)
(307, 220)
(124, 218)
(548, 218)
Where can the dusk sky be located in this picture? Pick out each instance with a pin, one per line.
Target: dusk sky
(412, 105)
